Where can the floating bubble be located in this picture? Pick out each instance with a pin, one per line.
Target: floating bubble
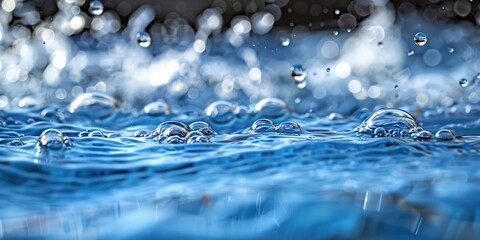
(156, 109)
(165, 125)
(144, 39)
(94, 105)
(202, 127)
(95, 8)
(420, 39)
(285, 41)
(380, 132)
(289, 127)
(262, 125)
(141, 133)
(424, 135)
(96, 133)
(221, 112)
(445, 135)
(52, 139)
(272, 108)
(463, 82)
(17, 142)
(387, 119)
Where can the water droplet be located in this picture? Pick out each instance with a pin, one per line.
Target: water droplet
(451, 50)
(221, 112)
(410, 53)
(396, 87)
(463, 82)
(297, 72)
(420, 39)
(144, 39)
(445, 135)
(262, 125)
(157, 108)
(95, 8)
(272, 108)
(328, 70)
(285, 41)
(17, 142)
(387, 119)
(174, 130)
(202, 127)
(289, 127)
(424, 135)
(94, 105)
(52, 139)
(335, 33)
(337, 11)
(380, 44)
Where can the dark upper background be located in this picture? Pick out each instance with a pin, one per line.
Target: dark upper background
(298, 12)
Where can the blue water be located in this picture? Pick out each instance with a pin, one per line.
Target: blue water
(250, 132)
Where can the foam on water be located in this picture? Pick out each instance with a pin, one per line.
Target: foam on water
(120, 123)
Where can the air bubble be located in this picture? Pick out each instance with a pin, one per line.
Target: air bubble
(289, 127)
(262, 126)
(156, 109)
(424, 135)
(144, 39)
(94, 105)
(420, 39)
(444, 135)
(380, 132)
(95, 8)
(272, 108)
(52, 139)
(160, 129)
(387, 119)
(221, 112)
(96, 133)
(202, 127)
(17, 143)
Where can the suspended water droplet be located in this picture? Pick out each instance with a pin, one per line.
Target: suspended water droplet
(285, 41)
(380, 44)
(144, 39)
(396, 87)
(335, 33)
(289, 127)
(157, 108)
(445, 135)
(410, 53)
(337, 11)
(221, 112)
(420, 39)
(262, 125)
(328, 70)
(463, 82)
(52, 139)
(272, 108)
(451, 50)
(95, 8)
(297, 72)
(202, 127)
(94, 105)
(387, 119)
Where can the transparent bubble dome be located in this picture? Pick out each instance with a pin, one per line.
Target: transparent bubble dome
(387, 119)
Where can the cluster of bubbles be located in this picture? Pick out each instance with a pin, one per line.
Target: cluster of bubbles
(225, 112)
(175, 132)
(265, 126)
(398, 124)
